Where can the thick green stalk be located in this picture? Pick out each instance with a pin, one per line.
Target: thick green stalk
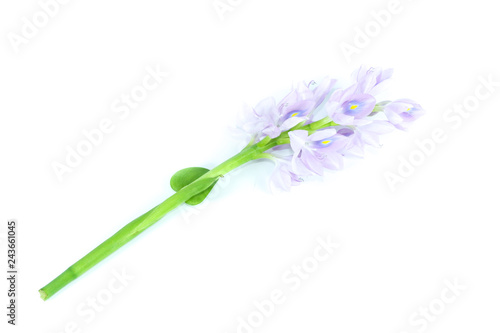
(137, 226)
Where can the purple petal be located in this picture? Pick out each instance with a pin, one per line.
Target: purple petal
(322, 134)
(298, 140)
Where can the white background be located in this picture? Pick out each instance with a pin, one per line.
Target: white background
(199, 270)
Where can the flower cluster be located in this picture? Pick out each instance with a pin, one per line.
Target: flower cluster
(322, 123)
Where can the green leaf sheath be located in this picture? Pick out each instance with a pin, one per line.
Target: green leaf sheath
(185, 177)
(192, 186)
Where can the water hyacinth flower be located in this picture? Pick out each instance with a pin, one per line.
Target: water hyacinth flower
(312, 129)
(346, 107)
(402, 112)
(269, 118)
(371, 80)
(313, 153)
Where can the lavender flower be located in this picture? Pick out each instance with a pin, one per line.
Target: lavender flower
(352, 105)
(283, 176)
(346, 107)
(269, 118)
(310, 143)
(312, 153)
(403, 112)
(372, 80)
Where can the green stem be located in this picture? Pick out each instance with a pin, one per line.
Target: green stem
(137, 226)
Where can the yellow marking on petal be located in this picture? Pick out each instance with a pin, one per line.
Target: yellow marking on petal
(326, 142)
(353, 107)
(408, 109)
(294, 114)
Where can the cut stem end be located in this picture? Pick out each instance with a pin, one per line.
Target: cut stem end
(43, 294)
